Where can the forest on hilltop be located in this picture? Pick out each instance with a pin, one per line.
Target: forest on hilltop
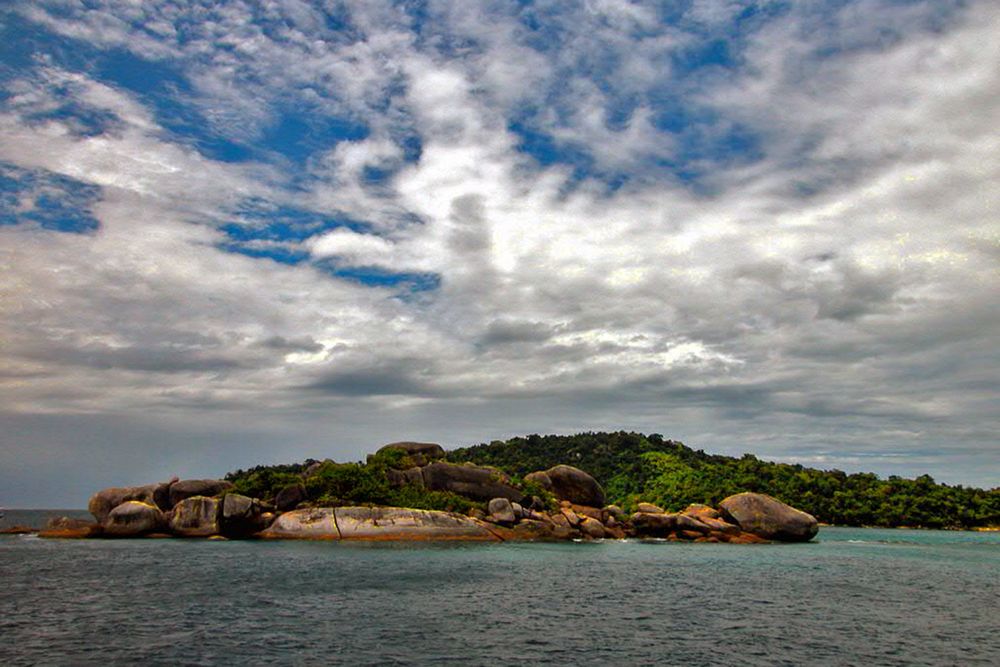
(634, 467)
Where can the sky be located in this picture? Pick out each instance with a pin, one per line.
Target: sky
(257, 232)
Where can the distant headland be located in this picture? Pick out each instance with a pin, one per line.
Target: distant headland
(582, 487)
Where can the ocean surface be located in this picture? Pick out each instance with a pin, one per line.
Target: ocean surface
(852, 597)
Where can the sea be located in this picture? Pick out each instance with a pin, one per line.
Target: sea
(853, 596)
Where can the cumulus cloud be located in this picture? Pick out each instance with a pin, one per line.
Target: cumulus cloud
(774, 234)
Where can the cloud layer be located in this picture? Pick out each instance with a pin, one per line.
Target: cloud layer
(270, 231)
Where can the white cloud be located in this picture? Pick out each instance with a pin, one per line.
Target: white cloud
(837, 286)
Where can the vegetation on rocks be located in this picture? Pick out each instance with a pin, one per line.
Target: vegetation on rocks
(633, 467)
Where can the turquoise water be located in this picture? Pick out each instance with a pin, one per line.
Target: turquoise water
(855, 596)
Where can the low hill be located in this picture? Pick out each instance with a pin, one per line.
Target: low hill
(634, 467)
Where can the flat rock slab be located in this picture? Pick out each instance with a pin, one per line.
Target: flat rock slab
(309, 524)
(390, 523)
(375, 524)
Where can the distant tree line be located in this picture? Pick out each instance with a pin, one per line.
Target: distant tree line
(634, 467)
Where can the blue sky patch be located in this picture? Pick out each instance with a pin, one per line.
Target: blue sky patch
(51, 201)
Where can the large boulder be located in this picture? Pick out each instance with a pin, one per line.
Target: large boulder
(197, 516)
(132, 518)
(502, 511)
(188, 488)
(421, 453)
(241, 516)
(768, 517)
(105, 500)
(470, 481)
(289, 497)
(569, 483)
(649, 524)
(592, 528)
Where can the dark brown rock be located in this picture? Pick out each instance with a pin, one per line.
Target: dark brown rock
(685, 522)
(592, 512)
(188, 488)
(241, 516)
(290, 497)
(592, 528)
(646, 524)
(569, 483)
(614, 533)
(617, 512)
(471, 481)
(768, 517)
(404, 477)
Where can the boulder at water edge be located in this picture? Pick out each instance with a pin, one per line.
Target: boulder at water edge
(197, 516)
(569, 483)
(768, 517)
(132, 518)
(241, 516)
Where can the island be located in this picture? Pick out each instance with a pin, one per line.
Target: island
(556, 487)
(410, 491)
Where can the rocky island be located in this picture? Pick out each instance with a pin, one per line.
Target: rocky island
(410, 491)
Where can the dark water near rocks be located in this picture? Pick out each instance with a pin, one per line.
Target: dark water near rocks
(854, 597)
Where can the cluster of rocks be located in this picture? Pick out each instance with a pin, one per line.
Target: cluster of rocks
(183, 508)
(211, 509)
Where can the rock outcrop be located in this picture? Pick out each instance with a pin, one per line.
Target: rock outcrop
(66, 527)
(569, 483)
(420, 453)
(768, 517)
(132, 519)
